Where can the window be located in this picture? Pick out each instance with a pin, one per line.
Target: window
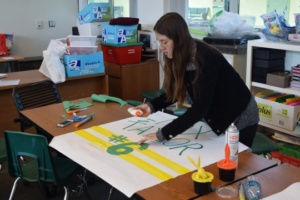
(258, 7)
(198, 13)
(121, 7)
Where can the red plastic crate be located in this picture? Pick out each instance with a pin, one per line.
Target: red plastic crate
(277, 155)
(128, 54)
(285, 159)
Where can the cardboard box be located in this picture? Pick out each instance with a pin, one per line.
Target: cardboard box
(94, 12)
(278, 114)
(279, 79)
(91, 29)
(117, 34)
(81, 65)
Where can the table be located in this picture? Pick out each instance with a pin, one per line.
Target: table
(48, 116)
(85, 86)
(10, 59)
(272, 181)
(182, 187)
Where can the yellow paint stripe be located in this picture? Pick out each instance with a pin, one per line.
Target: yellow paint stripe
(151, 169)
(151, 154)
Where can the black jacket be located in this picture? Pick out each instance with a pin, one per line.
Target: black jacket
(220, 99)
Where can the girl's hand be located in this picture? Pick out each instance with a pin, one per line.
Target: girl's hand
(145, 108)
(151, 136)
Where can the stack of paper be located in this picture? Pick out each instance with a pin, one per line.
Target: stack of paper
(295, 72)
(286, 138)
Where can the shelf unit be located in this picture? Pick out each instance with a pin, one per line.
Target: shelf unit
(255, 86)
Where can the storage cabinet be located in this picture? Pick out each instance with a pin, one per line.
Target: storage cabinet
(256, 86)
(128, 81)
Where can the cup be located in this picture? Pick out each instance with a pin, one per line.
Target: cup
(202, 185)
(227, 170)
(297, 22)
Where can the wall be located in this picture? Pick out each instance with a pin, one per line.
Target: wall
(150, 11)
(19, 17)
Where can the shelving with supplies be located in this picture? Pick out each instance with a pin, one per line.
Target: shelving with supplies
(292, 58)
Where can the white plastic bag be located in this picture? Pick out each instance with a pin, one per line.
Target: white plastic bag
(228, 24)
(52, 66)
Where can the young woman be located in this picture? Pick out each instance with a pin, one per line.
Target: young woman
(198, 71)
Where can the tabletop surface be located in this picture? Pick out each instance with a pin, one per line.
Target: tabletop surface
(48, 116)
(272, 181)
(181, 187)
(10, 58)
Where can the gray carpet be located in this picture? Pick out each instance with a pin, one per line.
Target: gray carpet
(97, 189)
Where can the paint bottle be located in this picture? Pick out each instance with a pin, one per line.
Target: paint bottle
(232, 138)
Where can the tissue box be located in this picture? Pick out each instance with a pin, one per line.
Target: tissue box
(117, 34)
(279, 79)
(81, 65)
(94, 12)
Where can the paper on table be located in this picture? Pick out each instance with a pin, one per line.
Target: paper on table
(9, 82)
(7, 58)
(3, 75)
(111, 151)
(291, 193)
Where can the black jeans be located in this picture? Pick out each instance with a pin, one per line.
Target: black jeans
(247, 135)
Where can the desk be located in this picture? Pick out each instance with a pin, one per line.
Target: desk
(182, 187)
(85, 86)
(10, 59)
(272, 181)
(48, 116)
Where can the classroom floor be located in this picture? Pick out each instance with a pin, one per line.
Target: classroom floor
(98, 189)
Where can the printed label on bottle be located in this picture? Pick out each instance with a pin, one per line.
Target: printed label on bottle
(233, 143)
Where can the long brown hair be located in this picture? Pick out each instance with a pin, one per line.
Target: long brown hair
(174, 27)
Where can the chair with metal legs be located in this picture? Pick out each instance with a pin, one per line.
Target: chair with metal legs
(40, 165)
(3, 154)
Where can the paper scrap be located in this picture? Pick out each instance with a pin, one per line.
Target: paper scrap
(291, 193)
(9, 82)
(3, 75)
(7, 58)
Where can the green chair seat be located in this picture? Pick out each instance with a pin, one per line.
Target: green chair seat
(151, 94)
(40, 165)
(3, 154)
(134, 102)
(179, 111)
(262, 144)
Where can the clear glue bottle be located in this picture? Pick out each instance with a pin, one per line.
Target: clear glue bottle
(232, 138)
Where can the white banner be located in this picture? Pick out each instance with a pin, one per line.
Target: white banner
(111, 151)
